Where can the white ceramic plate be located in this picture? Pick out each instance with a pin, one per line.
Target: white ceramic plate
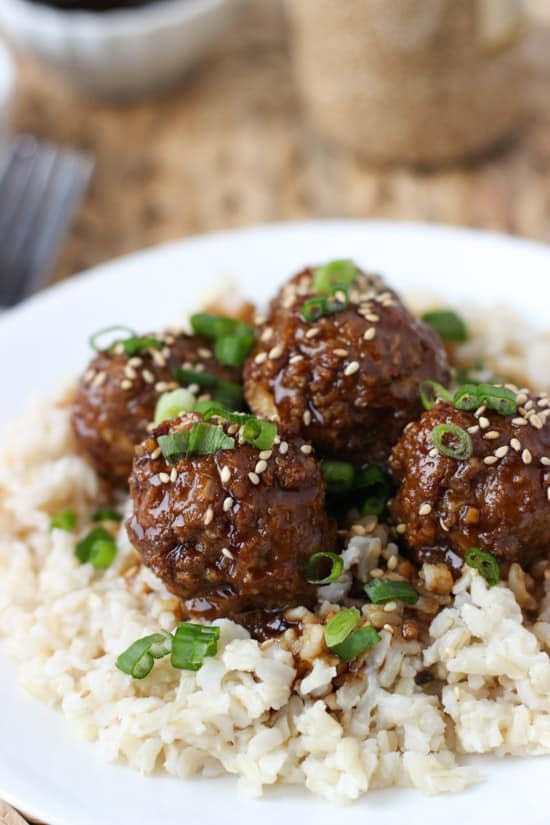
(44, 768)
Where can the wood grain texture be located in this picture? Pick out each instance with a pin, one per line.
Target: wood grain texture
(231, 148)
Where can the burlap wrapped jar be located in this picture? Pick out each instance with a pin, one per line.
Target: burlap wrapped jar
(424, 81)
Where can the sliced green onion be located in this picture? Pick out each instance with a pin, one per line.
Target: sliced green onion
(171, 404)
(340, 626)
(218, 326)
(110, 331)
(464, 448)
(337, 300)
(377, 484)
(201, 439)
(485, 563)
(448, 325)
(317, 560)
(138, 659)
(229, 394)
(192, 643)
(356, 643)
(380, 591)
(313, 309)
(500, 399)
(98, 548)
(65, 520)
(105, 514)
(467, 397)
(338, 476)
(335, 272)
(135, 345)
(225, 392)
(232, 350)
(431, 391)
(256, 432)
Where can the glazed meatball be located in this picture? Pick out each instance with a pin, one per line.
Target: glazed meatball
(116, 398)
(496, 500)
(347, 382)
(230, 532)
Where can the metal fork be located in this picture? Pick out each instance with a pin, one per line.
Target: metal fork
(41, 188)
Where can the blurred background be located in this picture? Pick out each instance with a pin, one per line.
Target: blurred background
(198, 115)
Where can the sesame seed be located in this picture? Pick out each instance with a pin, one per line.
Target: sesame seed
(311, 333)
(536, 421)
(352, 368)
(369, 334)
(260, 358)
(130, 372)
(490, 459)
(89, 374)
(164, 478)
(155, 454)
(376, 573)
(232, 429)
(225, 475)
(158, 358)
(543, 402)
(492, 434)
(227, 504)
(530, 404)
(100, 379)
(193, 388)
(204, 352)
(521, 398)
(266, 334)
(161, 386)
(260, 467)
(392, 562)
(173, 474)
(135, 361)
(425, 509)
(545, 461)
(480, 410)
(259, 319)
(306, 449)
(456, 692)
(208, 516)
(148, 376)
(372, 317)
(473, 429)
(295, 359)
(389, 607)
(198, 367)
(283, 447)
(526, 456)
(227, 553)
(276, 352)
(266, 454)
(484, 422)
(341, 353)
(401, 528)
(126, 384)
(433, 452)
(519, 422)
(306, 418)
(500, 452)
(255, 479)
(515, 444)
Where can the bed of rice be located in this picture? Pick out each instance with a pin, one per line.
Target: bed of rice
(248, 711)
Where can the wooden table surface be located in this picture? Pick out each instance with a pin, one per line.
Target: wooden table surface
(231, 148)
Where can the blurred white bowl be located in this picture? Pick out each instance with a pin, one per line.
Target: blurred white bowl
(8, 75)
(121, 53)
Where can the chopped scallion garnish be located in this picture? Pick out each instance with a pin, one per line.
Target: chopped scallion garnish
(499, 399)
(135, 345)
(341, 272)
(336, 300)
(313, 309)
(105, 514)
(138, 659)
(65, 520)
(114, 337)
(442, 434)
(485, 563)
(340, 626)
(338, 476)
(98, 548)
(448, 325)
(356, 643)
(225, 392)
(201, 439)
(232, 350)
(467, 398)
(171, 404)
(431, 391)
(376, 483)
(192, 643)
(319, 560)
(256, 432)
(380, 591)
(218, 326)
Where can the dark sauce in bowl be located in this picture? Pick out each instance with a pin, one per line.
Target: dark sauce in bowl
(94, 5)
